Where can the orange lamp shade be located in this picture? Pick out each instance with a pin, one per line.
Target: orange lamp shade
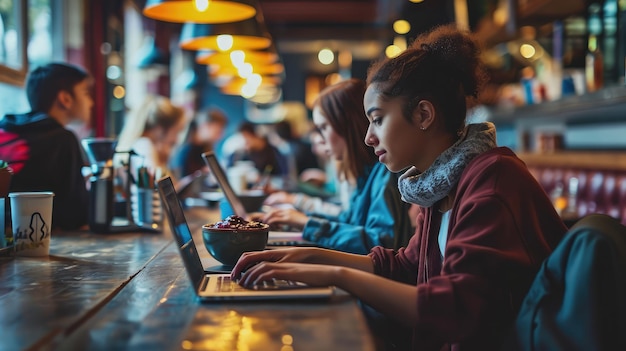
(237, 88)
(271, 69)
(199, 11)
(247, 34)
(225, 58)
(236, 82)
(238, 42)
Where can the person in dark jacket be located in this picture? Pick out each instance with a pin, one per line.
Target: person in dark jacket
(297, 150)
(44, 155)
(260, 151)
(484, 226)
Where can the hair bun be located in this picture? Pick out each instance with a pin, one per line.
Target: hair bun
(458, 51)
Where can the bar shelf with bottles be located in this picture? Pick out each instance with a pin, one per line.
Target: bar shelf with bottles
(583, 111)
(573, 141)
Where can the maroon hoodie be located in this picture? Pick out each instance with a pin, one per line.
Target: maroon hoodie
(502, 226)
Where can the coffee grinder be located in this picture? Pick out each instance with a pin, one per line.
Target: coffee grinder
(104, 214)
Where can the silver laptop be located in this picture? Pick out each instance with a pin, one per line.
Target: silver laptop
(276, 237)
(211, 286)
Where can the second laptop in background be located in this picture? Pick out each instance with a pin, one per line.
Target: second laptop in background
(276, 238)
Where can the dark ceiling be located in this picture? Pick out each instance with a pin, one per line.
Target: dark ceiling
(339, 19)
(302, 20)
(363, 25)
(294, 24)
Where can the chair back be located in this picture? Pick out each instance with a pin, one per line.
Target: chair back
(578, 298)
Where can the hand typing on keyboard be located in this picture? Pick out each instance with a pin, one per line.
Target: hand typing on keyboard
(258, 266)
(290, 217)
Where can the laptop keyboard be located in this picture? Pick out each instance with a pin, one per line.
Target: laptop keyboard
(225, 284)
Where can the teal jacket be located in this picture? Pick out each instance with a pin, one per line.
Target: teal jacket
(377, 217)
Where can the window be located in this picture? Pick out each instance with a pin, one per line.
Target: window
(13, 64)
(40, 42)
(26, 41)
(19, 19)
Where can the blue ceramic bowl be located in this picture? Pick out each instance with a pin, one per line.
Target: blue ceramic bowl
(227, 245)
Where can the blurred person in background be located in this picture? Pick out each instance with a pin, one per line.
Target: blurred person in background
(376, 215)
(150, 134)
(205, 131)
(152, 131)
(297, 151)
(260, 151)
(332, 195)
(44, 155)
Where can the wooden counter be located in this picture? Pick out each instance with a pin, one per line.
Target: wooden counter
(130, 292)
(605, 161)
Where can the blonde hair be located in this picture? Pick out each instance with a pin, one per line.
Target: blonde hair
(155, 111)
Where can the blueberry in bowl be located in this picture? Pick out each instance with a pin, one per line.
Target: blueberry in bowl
(228, 239)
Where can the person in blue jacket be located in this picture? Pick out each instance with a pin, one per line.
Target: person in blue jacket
(377, 216)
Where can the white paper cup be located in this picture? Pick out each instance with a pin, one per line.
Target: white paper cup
(31, 217)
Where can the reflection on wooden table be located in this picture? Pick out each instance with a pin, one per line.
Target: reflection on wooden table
(130, 291)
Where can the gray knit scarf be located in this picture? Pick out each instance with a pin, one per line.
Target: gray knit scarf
(426, 188)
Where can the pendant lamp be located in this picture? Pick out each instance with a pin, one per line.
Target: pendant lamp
(247, 34)
(199, 11)
(267, 95)
(239, 88)
(237, 83)
(271, 69)
(233, 57)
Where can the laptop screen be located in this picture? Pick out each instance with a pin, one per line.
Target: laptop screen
(180, 229)
(211, 160)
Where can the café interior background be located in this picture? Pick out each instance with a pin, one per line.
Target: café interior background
(557, 66)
